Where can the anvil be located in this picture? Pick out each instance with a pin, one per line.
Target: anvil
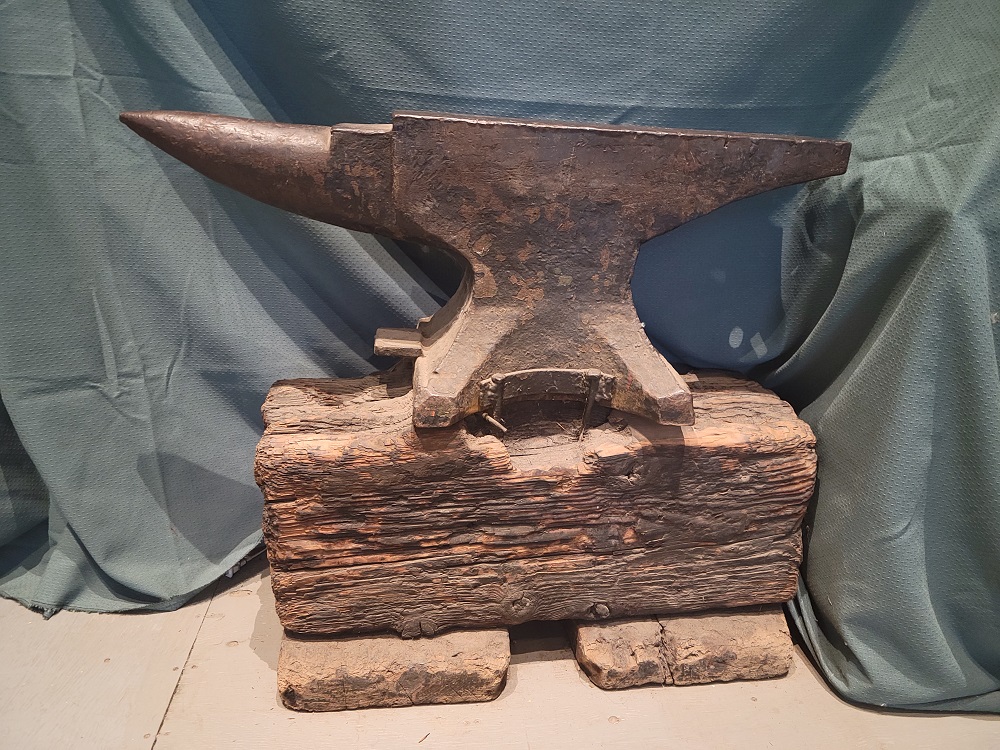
(549, 217)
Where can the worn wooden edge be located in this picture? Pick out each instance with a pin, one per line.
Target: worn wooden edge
(353, 408)
(381, 671)
(691, 649)
(509, 592)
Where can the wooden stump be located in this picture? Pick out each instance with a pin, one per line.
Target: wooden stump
(685, 650)
(334, 674)
(373, 526)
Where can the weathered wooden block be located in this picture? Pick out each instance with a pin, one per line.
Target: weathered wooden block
(622, 653)
(372, 525)
(721, 646)
(685, 650)
(335, 674)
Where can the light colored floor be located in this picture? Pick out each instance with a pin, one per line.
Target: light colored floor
(204, 677)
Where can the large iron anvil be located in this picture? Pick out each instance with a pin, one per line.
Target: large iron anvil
(548, 215)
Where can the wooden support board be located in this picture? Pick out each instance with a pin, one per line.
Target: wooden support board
(334, 674)
(687, 650)
(373, 526)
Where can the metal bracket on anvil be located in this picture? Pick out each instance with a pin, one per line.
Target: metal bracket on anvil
(548, 215)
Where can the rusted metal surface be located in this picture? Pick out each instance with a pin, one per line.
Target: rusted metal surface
(549, 217)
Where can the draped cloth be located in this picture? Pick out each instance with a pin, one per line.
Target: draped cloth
(144, 311)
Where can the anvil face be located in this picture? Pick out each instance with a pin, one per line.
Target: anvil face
(549, 217)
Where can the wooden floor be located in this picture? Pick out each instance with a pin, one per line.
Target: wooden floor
(204, 677)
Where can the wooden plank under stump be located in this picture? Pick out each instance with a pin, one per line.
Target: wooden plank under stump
(335, 674)
(685, 650)
(373, 526)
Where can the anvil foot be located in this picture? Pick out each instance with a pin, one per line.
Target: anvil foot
(503, 354)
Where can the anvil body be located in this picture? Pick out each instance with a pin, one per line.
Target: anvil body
(548, 216)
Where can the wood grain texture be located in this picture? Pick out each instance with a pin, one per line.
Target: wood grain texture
(337, 674)
(372, 525)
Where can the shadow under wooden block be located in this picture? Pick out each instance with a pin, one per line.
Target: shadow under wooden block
(336, 674)
(693, 649)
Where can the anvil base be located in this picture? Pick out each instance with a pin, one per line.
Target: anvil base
(373, 526)
(376, 530)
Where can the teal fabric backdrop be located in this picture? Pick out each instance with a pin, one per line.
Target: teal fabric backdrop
(144, 311)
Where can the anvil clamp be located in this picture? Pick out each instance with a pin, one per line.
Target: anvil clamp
(549, 217)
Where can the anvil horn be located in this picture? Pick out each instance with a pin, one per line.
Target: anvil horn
(339, 175)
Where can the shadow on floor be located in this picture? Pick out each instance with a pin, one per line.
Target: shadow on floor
(539, 641)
